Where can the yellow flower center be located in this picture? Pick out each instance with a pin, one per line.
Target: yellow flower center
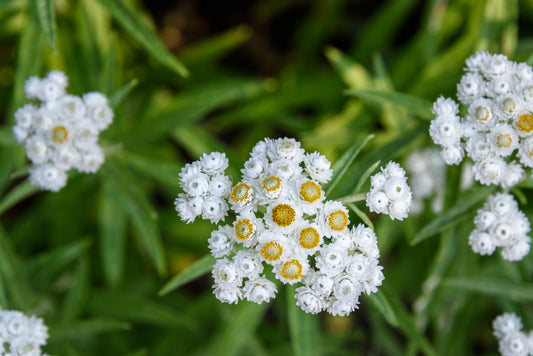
(286, 145)
(59, 134)
(271, 184)
(482, 113)
(338, 220)
(283, 215)
(244, 229)
(504, 140)
(292, 269)
(525, 123)
(309, 237)
(509, 105)
(310, 192)
(240, 192)
(272, 251)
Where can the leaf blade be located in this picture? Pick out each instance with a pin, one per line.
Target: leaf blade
(197, 269)
(46, 16)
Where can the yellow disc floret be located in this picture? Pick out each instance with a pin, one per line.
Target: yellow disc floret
(283, 215)
(59, 134)
(309, 237)
(272, 251)
(482, 113)
(525, 123)
(504, 140)
(271, 184)
(292, 269)
(244, 229)
(240, 192)
(310, 192)
(338, 220)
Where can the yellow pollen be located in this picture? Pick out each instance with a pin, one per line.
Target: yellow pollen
(59, 134)
(272, 251)
(482, 113)
(504, 140)
(309, 238)
(240, 192)
(271, 184)
(509, 105)
(292, 269)
(286, 145)
(310, 192)
(283, 215)
(244, 229)
(525, 123)
(338, 220)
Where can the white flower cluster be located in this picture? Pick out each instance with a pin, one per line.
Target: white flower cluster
(21, 335)
(389, 193)
(206, 188)
(283, 220)
(512, 341)
(497, 129)
(501, 224)
(61, 132)
(428, 174)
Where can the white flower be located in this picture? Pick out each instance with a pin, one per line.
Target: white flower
(515, 344)
(495, 65)
(340, 307)
(514, 174)
(318, 167)
(503, 140)
(332, 260)
(213, 163)
(309, 301)
(195, 185)
(184, 209)
(471, 87)
(518, 249)
(21, 335)
(445, 107)
(333, 218)
(48, 177)
(365, 240)
(481, 243)
(214, 209)
(446, 130)
(490, 170)
(476, 62)
(506, 324)
(220, 186)
(227, 294)
(221, 241)
(226, 274)
(98, 109)
(259, 290)
(287, 149)
(452, 155)
(291, 270)
(346, 288)
(283, 216)
(248, 264)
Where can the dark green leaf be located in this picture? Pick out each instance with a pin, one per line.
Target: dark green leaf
(19, 193)
(381, 303)
(197, 269)
(499, 288)
(76, 329)
(303, 327)
(45, 13)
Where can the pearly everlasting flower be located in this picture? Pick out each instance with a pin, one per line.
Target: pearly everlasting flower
(512, 341)
(495, 131)
(61, 132)
(389, 193)
(21, 335)
(499, 223)
(280, 221)
(427, 173)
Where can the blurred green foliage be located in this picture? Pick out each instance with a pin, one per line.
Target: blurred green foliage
(97, 259)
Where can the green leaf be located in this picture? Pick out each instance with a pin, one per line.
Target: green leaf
(162, 171)
(117, 97)
(16, 195)
(76, 329)
(191, 106)
(353, 73)
(406, 322)
(361, 214)
(303, 327)
(53, 260)
(520, 292)
(45, 13)
(112, 226)
(127, 306)
(79, 291)
(414, 104)
(137, 29)
(343, 164)
(462, 210)
(6, 137)
(133, 201)
(197, 269)
(365, 176)
(238, 330)
(381, 303)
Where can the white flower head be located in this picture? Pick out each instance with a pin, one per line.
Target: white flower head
(318, 167)
(213, 163)
(309, 300)
(259, 290)
(221, 241)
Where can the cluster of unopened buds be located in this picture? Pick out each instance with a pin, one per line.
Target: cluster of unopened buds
(61, 132)
(283, 220)
(496, 131)
(21, 335)
(500, 224)
(511, 339)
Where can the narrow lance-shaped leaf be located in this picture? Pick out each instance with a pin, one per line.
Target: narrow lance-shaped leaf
(79, 292)
(499, 288)
(360, 214)
(414, 104)
(343, 164)
(303, 327)
(82, 328)
(141, 33)
(112, 226)
(19, 193)
(45, 13)
(197, 269)
(381, 303)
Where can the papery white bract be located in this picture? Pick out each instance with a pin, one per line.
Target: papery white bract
(283, 223)
(20, 334)
(61, 133)
(512, 341)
